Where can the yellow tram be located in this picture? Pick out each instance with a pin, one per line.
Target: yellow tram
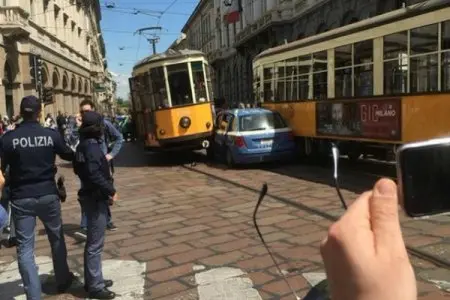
(171, 97)
(370, 85)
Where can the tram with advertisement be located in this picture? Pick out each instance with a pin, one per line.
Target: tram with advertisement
(370, 86)
(171, 97)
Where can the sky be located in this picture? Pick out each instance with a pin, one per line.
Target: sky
(120, 23)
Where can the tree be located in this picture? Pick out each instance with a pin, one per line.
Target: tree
(120, 101)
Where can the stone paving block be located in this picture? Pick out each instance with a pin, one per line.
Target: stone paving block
(171, 218)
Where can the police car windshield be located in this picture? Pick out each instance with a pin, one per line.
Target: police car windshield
(262, 121)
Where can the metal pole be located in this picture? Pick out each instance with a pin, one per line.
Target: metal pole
(154, 46)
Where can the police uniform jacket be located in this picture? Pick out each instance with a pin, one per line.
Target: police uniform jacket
(92, 168)
(30, 152)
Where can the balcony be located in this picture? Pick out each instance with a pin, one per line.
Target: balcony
(13, 21)
(266, 20)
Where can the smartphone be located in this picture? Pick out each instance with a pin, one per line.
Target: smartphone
(423, 173)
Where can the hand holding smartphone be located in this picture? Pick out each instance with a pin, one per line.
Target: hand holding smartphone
(423, 173)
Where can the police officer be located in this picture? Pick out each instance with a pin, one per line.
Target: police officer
(3, 212)
(96, 194)
(110, 136)
(30, 152)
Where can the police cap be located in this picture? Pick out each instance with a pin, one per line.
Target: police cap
(30, 104)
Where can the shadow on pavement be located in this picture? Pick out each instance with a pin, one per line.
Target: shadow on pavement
(356, 177)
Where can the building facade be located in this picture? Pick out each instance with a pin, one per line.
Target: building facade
(233, 32)
(105, 93)
(66, 35)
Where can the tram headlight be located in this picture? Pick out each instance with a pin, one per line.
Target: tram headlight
(185, 122)
(162, 132)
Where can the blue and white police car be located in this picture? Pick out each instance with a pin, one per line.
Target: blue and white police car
(252, 135)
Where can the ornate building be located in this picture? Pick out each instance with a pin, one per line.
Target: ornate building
(233, 32)
(66, 35)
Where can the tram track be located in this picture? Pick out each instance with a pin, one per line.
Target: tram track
(433, 259)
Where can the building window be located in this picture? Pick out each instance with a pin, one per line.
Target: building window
(32, 10)
(56, 17)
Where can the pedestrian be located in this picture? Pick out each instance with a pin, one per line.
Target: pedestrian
(29, 151)
(96, 194)
(3, 212)
(111, 143)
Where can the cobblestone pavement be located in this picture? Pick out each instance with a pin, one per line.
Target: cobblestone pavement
(180, 222)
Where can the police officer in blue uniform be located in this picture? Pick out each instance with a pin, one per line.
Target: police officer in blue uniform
(30, 152)
(97, 192)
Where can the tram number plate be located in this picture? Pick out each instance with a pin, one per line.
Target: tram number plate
(266, 142)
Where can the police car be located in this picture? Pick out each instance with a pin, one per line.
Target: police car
(252, 135)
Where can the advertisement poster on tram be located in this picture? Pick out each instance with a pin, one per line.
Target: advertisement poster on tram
(372, 119)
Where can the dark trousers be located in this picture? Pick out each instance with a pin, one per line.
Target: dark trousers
(96, 216)
(48, 210)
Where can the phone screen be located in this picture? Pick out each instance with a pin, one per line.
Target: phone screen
(426, 179)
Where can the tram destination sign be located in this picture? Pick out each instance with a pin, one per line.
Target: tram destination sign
(371, 119)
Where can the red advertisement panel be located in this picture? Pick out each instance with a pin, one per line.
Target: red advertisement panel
(372, 119)
(381, 118)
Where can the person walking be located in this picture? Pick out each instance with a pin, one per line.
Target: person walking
(96, 194)
(111, 142)
(30, 151)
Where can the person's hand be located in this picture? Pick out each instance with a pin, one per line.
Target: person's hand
(108, 157)
(364, 253)
(2, 180)
(78, 120)
(113, 199)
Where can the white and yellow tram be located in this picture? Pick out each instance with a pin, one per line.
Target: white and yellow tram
(370, 85)
(171, 94)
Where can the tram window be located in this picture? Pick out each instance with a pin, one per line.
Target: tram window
(343, 71)
(363, 68)
(395, 77)
(320, 75)
(424, 73)
(445, 57)
(445, 77)
(180, 84)
(396, 63)
(395, 45)
(363, 52)
(343, 82)
(446, 35)
(343, 56)
(280, 90)
(291, 79)
(158, 88)
(199, 81)
(209, 71)
(147, 96)
(363, 80)
(303, 79)
(268, 93)
(424, 59)
(424, 39)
